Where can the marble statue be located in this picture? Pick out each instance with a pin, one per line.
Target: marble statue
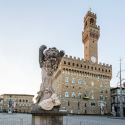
(10, 106)
(49, 60)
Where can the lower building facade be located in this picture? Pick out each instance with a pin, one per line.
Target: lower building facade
(1, 103)
(115, 100)
(83, 87)
(19, 102)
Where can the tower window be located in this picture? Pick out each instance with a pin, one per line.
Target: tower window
(73, 64)
(91, 21)
(68, 63)
(64, 62)
(86, 24)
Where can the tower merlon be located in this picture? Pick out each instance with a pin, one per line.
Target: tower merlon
(91, 14)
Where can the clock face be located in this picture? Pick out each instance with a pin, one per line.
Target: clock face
(93, 59)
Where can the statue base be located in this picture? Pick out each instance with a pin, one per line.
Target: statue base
(44, 117)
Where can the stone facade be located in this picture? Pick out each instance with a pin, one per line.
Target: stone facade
(1, 103)
(83, 85)
(115, 100)
(21, 102)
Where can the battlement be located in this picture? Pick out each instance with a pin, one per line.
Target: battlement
(73, 58)
(78, 60)
(105, 65)
(80, 65)
(91, 14)
(95, 26)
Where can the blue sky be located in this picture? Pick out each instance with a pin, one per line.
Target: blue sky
(27, 24)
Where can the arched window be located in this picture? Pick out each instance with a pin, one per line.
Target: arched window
(68, 103)
(79, 94)
(66, 94)
(73, 94)
(85, 23)
(73, 80)
(66, 80)
(79, 81)
(91, 21)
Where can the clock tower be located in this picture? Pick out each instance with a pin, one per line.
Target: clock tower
(86, 83)
(90, 37)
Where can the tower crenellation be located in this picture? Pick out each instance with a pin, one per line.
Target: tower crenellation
(89, 13)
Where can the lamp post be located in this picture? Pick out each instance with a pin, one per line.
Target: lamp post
(121, 103)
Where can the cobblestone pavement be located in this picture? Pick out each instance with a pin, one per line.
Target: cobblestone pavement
(15, 119)
(92, 120)
(26, 119)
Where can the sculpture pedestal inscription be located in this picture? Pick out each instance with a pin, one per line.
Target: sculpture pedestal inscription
(47, 101)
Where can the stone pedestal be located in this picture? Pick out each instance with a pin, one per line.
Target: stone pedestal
(43, 117)
(47, 120)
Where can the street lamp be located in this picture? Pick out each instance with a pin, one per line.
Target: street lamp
(121, 103)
